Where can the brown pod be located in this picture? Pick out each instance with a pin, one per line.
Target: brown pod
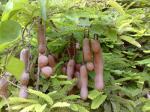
(3, 83)
(77, 67)
(41, 38)
(4, 93)
(95, 45)
(51, 61)
(47, 71)
(3, 87)
(42, 49)
(24, 78)
(84, 82)
(98, 66)
(24, 56)
(86, 50)
(42, 61)
(70, 69)
(23, 92)
(90, 66)
(77, 75)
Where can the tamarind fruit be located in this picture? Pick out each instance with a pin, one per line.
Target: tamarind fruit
(70, 68)
(87, 55)
(42, 49)
(24, 56)
(84, 82)
(24, 78)
(23, 92)
(47, 71)
(42, 61)
(51, 61)
(3, 87)
(90, 66)
(41, 38)
(95, 46)
(98, 64)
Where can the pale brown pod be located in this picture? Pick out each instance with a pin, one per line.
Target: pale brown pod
(42, 49)
(87, 50)
(95, 45)
(47, 71)
(24, 56)
(90, 66)
(42, 61)
(3, 87)
(24, 78)
(98, 64)
(84, 82)
(23, 92)
(70, 68)
(4, 93)
(51, 61)
(41, 38)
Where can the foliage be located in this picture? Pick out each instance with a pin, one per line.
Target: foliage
(123, 30)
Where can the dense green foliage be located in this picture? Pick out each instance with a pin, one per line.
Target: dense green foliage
(123, 28)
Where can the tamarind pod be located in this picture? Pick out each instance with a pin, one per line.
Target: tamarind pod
(3, 83)
(42, 60)
(70, 69)
(51, 61)
(90, 66)
(42, 49)
(77, 75)
(47, 71)
(4, 92)
(3, 87)
(41, 38)
(95, 45)
(24, 56)
(24, 78)
(84, 82)
(86, 50)
(77, 67)
(98, 67)
(23, 92)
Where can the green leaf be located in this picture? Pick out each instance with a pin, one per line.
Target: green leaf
(15, 67)
(74, 107)
(117, 6)
(61, 104)
(2, 103)
(42, 95)
(130, 40)
(17, 100)
(93, 94)
(11, 6)
(82, 109)
(72, 97)
(145, 61)
(98, 101)
(40, 108)
(115, 106)
(19, 106)
(43, 9)
(9, 30)
(29, 108)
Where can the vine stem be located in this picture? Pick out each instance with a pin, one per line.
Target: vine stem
(38, 78)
